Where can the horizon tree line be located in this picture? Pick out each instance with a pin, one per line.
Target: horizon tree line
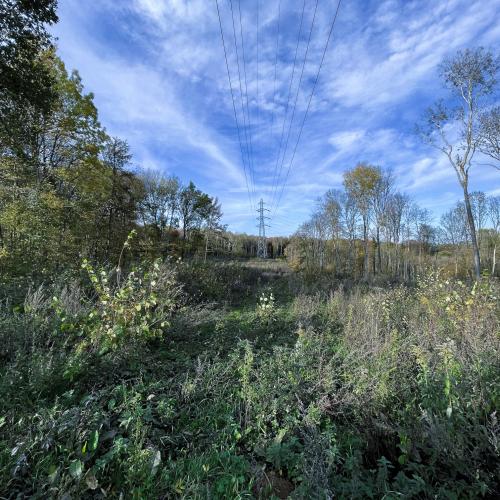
(370, 228)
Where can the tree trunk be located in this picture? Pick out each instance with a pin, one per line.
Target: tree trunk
(379, 254)
(493, 265)
(206, 248)
(365, 237)
(472, 230)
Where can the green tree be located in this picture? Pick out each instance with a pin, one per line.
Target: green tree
(26, 80)
(44, 176)
(159, 204)
(361, 184)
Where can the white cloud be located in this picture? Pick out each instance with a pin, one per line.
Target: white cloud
(164, 87)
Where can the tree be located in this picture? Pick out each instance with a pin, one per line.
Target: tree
(160, 202)
(489, 134)
(331, 207)
(120, 211)
(395, 208)
(350, 217)
(53, 185)
(212, 215)
(421, 219)
(479, 207)
(27, 85)
(494, 213)
(192, 204)
(361, 184)
(381, 198)
(471, 77)
(454, 229)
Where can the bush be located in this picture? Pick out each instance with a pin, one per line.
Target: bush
(138, 308)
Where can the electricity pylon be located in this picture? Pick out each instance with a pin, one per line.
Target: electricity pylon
(262, 244)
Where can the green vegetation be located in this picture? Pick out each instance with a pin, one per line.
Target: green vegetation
(250, 387)
(145, 354)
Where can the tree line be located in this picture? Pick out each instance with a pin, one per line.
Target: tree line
(370, 228)
(67, 188)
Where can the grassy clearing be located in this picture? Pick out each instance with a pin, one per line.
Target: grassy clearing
(259, 384)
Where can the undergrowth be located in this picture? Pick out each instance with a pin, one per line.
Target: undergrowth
(184, 380)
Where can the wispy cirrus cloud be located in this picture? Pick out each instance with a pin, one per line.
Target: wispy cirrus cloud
(158, 73)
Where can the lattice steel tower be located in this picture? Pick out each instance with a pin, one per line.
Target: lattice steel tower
(262, 243)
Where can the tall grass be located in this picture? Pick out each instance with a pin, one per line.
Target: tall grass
(357, 393)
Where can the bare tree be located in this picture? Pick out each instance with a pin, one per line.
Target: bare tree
(489, 134)
(494, 213)
(331, 207)
(454, 230)
(381, 197)
(470, 76)
(396, 205)
(350, 217)
(479, 211)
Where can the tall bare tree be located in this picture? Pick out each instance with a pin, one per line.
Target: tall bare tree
(453, 127)
(479, 206)
(381, 197)
(396, 205)
(331, 207)
(454, 230)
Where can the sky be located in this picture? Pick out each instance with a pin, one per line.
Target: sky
(158, 72)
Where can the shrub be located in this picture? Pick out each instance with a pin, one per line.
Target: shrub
(137, 308)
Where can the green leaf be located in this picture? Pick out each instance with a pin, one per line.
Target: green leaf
(94, 440)
(76, 469)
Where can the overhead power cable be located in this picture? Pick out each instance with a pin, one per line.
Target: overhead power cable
(296, 98)
(309, 103)
(252, 165)
(249, 160)
(276, 67)
(289, 95)
(234, 105)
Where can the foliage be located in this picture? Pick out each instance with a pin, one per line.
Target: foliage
(163, 378)
(364, 394)
(132, 310)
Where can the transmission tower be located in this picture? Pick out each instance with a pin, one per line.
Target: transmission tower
(262, 244)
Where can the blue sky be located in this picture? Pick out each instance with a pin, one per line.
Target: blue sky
(158, 73)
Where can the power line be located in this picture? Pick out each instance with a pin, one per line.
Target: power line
(234, 106)
(246, 92)
(296, 98)
(276, 67)
(310, 99)
(241, 95)
(258, 35)
(289, 95)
